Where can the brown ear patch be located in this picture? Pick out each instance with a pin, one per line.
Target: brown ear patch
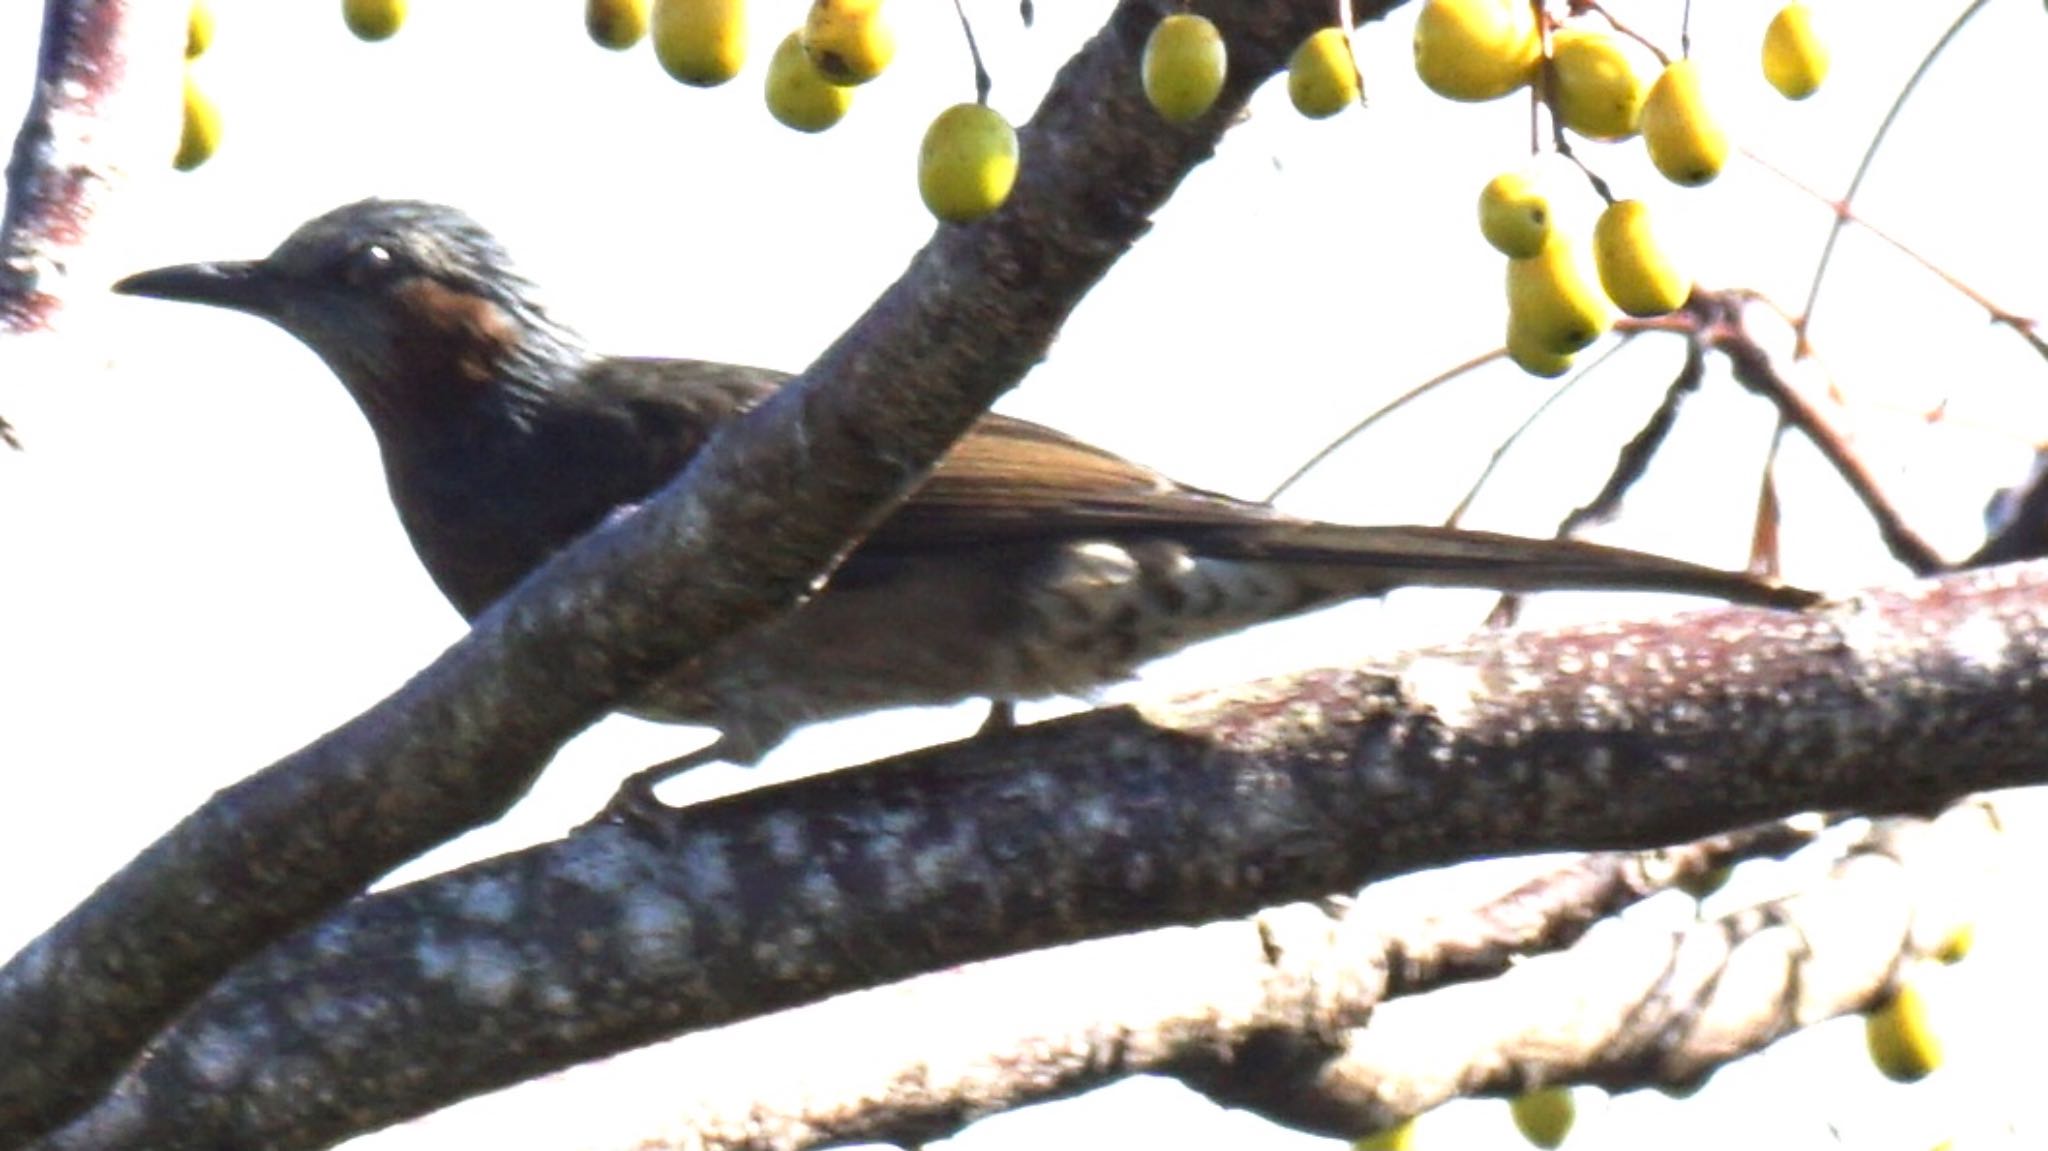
(465, 335)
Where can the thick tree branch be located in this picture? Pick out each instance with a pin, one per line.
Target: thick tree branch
(105, 102)
(1616, 736)
(754, 522)
(923, 1059)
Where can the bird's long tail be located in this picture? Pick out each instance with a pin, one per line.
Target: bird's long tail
(1349, 560)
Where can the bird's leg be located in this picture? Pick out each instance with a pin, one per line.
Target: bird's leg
(635, 800)
(1002, 716)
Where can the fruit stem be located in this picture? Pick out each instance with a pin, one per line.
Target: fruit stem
(981, 80)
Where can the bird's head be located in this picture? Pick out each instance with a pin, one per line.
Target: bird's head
(413, 305)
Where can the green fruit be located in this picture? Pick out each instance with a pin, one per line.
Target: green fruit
(797, 95)
(1476, 49)
(1531, 351)
(967, 164)
(615, 24)
(1183, 67)
(1901, 1039)
(1544, 1116)
(1598, 93)
(1795, 60)
(1514, 215)
(1634, 270)
(1684, 141)
(848, 41)
(198, 30)
(700, 42)
(1552, 303)
(1399, 1137)
(201, 135)
(1322, 78)
(373, 20)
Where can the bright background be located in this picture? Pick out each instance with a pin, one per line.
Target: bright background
(202, 572)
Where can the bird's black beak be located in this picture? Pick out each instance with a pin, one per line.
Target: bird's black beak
(242, 285)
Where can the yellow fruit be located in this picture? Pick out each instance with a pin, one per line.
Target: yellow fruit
(1598, 94)
(1684, 141)
(1399, 1137)
(1958, 945)
(615, 24)
(797, 95)
(967, 163)
(198, 30)
(1544, 1116)
(373, 20)
(1901, 1040)
(1795, 60)
(1514, 215)
(1531, 352)
(1322, 78)
(1635, 272)
(1183, 66)
(700, 42)
(1476, 49)
(848, 41)
(1552, 303)
(201, 137)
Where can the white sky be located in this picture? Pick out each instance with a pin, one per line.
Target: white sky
(203, 572)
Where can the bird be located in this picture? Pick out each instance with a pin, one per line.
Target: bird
(1029, 564)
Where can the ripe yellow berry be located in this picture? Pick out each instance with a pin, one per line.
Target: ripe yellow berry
(1795, 60)
(797, 95)
(1901, 1039)
(1531, 352)
(700, 42)
(1635, 272)
(1514, 215)
(1399, 1137)
(848, 41)
(1685, 142)
(1598, 94)
(1544, 1116)
(1322, 78)
(967, 163)
(201, 136)
(198, 30)
(1183, 67)
(373, 20)
(1550, 299)
(1476, 49)
(615, 24)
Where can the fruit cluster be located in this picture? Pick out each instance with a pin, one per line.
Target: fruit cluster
(1586, 77)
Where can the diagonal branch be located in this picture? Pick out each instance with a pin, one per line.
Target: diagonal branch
(1610, 736)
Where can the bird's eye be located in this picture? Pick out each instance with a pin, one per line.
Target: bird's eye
(369, 264)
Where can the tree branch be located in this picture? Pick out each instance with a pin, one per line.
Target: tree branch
(105, 102)
(1613, 736)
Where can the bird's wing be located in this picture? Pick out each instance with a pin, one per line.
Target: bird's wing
(1010, 479)
(1007, 480)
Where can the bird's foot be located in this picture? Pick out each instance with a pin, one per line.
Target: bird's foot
(635, 801)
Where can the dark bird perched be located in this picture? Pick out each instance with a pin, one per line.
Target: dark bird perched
(1029, 564)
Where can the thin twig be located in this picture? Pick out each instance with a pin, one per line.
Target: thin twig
(1884, 128)
(1378, 414)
